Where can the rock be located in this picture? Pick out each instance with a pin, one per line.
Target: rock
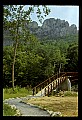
(6, 100)
(50, 112)
(51, 29)
(33, 25)
(12, 98)
(18, 112)
(57, 114)
(13, 106)
(17, 98)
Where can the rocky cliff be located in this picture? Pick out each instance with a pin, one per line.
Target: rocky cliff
(51, 29)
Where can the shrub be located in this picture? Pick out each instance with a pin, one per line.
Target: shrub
(18, 92)
(8, 111)
(70, 93)
(75, 88)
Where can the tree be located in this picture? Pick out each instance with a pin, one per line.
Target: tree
(72, 55)
(7, 63)
(14, 18)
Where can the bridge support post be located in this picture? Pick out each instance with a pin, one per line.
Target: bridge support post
(51, 88)
(56, 83)
(69, 84)
(45, 91)
(48, 90)
(65, 84)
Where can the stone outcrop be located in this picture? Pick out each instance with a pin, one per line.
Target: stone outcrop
(51, 29)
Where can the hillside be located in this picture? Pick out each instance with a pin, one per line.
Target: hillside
(51, 29)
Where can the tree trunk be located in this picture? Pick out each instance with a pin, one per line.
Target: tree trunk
(13, 65)
(17, 37)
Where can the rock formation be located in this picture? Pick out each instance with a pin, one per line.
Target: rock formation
(51, 29)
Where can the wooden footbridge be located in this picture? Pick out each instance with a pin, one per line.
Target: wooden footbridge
(47, 86)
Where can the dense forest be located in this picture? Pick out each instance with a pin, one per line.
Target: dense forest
(37, 60)
(34, 60)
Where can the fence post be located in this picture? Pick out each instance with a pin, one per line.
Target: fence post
(51, 87)
(60, 80)
(48, 90)
(43, 85)
(40, 87)
(56, 83)
(53, 84)
(45, 91)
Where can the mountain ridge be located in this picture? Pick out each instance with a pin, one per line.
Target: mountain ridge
(51, 29)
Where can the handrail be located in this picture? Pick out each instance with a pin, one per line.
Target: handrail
(71, 73)
(35, 89)
(49, 80)
(56, 79)
(49, 88)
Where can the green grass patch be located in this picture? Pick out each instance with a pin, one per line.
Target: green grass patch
(8, 111)
(18, 92)
(65, 93)
(70, 93)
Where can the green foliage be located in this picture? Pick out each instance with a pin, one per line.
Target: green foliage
(72, 54)
(18, 92)
(65, 93)
(33, 61)
(69, 93)
(36, 61)
(8, 111)
(14, 18)
(75, 88)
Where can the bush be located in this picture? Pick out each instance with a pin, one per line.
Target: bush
(75, 88)
(8, 111)
(65, 93)
(70, 93)
(18, 92)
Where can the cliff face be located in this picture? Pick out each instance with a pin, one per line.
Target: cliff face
(51, 28)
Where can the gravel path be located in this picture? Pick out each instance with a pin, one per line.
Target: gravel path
(26, 109)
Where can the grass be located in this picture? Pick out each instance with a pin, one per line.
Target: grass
(69, 93)
(68, 105)
(9, 93)
(18, 92)
(8, 111)
(66, 93)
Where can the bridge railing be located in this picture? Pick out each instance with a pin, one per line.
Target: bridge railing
(40, 86)
(45, 83)
(71, 73)
(48, 89)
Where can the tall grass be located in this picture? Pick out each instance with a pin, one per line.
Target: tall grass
(8, 111)
(18, 92)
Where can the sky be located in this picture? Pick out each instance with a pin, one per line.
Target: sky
(67, 13)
